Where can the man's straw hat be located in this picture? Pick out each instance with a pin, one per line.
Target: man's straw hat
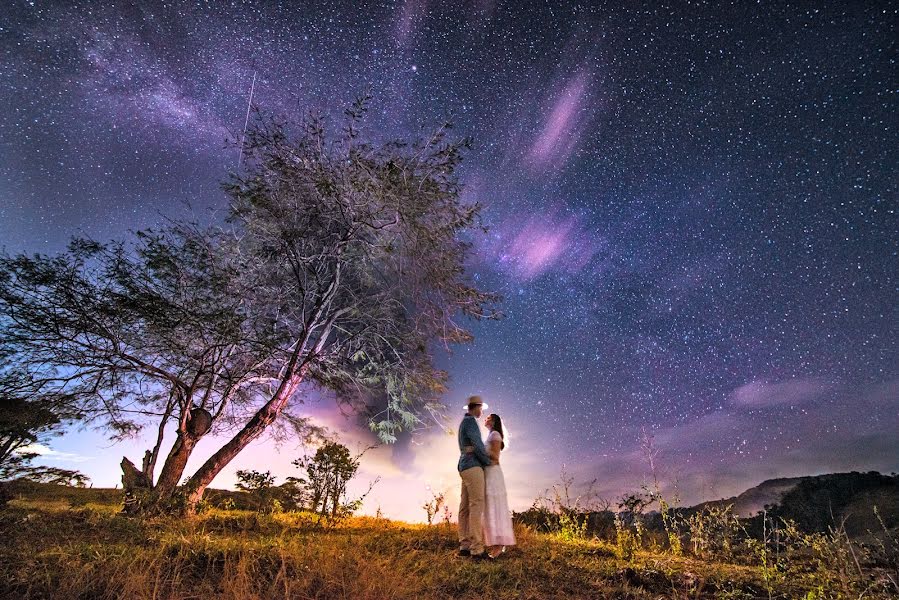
(473, 400)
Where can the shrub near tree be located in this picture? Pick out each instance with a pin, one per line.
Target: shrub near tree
(322, 490)
(341, 266)
(268, 497)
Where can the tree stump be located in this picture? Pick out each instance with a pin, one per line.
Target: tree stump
(134, 482)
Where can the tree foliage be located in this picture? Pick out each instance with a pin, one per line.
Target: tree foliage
(28, 418)
(136, 334)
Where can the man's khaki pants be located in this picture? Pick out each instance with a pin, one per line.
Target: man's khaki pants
(471, 510)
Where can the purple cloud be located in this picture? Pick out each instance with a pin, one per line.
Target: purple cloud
(761, 393)
(411, 15)
(528, 248)
(563, 126)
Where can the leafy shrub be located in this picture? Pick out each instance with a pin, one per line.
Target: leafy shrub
(714, 532)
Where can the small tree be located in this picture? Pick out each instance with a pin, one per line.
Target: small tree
(292, 494)
(630, 528)
(434, 505)
(255, 482)
(672, 521)
(328, 472)
(27, 417)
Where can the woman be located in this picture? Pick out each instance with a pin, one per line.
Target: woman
(497, 519)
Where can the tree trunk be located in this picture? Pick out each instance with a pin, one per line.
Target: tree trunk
(264, 417)
(151, 456)
(196, 426)
(133, 478)
(294, 373)
(174, 465)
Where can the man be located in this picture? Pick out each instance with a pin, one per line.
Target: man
(472, 460)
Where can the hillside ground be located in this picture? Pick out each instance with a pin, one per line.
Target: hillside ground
(64, 543)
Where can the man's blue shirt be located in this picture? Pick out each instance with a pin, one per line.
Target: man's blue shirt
(470, 435)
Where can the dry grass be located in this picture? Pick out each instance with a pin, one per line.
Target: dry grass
(53, 550)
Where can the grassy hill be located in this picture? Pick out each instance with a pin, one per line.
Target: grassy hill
(755, 499)
(819, 502)
(816, 503)
(72, 543)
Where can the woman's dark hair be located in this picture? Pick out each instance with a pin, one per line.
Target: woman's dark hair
(498, 426)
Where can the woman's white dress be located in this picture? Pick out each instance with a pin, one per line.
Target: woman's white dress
(497, 518)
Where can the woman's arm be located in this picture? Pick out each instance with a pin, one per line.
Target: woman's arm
(493, 449)
(473, 435)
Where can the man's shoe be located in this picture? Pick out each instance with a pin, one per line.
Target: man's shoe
(464, 552)
(482, 556)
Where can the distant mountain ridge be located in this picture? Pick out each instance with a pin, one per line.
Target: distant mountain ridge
(818, 502)
(755, 499)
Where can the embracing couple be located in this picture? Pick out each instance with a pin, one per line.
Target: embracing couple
(485, 523)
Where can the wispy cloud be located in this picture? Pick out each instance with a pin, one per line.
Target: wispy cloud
(792, 392)
(563, 125)
(49, 454)
(528, 247)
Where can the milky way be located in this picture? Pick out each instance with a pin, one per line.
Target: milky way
(691, 207)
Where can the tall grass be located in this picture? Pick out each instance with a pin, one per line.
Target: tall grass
(90, 551)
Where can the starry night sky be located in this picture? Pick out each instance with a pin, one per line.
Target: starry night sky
(692, 207)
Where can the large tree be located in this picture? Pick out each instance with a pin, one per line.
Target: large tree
(353, 259)
(341, 265)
